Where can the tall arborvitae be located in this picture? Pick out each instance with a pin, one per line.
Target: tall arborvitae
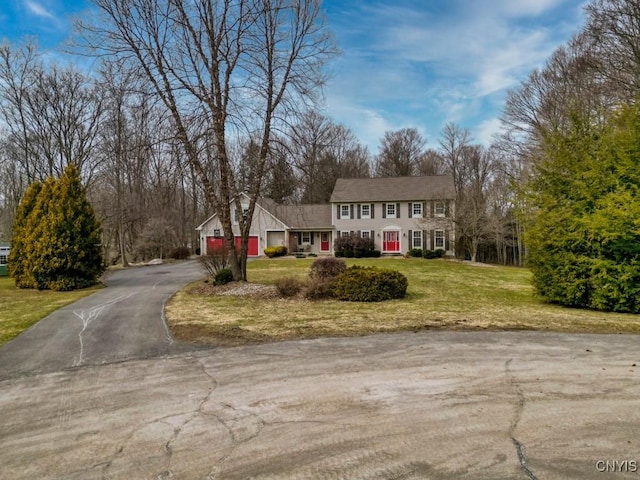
(584, 241)
(61, 237)
(20, 249)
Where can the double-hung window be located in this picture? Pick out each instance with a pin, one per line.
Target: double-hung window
(439, 239)
(417, 211)
(365, 234)
(391, 210)
(417, 239)
(306, 237)
(439, 209)
(365, 210)
(345, 211)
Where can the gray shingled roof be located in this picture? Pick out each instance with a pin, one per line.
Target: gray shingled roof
(304, 216)
(395, 189)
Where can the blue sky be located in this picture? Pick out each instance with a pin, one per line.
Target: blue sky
(404, 63)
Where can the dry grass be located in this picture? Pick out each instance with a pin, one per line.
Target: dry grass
(19, 309)
(441, 295)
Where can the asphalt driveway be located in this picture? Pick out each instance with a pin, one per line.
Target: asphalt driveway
(121, 322)
(99, 390)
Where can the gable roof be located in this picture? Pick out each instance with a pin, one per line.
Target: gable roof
(304, 216)
(393, 189)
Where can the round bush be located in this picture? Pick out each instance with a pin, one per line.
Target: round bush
(369, 284)
(223, 277)
(326, 268)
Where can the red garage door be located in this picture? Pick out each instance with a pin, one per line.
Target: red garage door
(213, 242)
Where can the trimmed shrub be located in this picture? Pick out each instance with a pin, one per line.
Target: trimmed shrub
(429, 254)
(180, 253)
(369, 284)
(300, 255)
(278, 251)
(288, 286)
(354, 246)
(415, 252)
(327, 268)
(223, 277)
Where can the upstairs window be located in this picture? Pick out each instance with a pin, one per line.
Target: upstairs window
(216, 233)
(345, 211)
(439, 209)
(391, 210)
(417, 210)
(365, 211)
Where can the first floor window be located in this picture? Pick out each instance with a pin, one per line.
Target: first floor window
(4, 259)
(345, 211)
(306, 237)
(417, 239)
(439, 240)
(344, 234)
(365, 234)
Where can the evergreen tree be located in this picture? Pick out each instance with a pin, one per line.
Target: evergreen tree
(20, 249)
(61, 236)
(584, 241)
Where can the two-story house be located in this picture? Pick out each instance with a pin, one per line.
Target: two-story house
(398, 213)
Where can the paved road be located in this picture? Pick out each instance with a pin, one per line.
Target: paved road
(121, 322)
(430, 405)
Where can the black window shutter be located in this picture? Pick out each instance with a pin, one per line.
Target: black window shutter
(432, 207)
(358, 211)
(397, 210)
(409, 210)
(432, 240)
(384, 210)
(371, 235)
(424, 239)
(410, 239)
(312, 234)
(446, 240)
(338, 207)
(446, 208)
(352, 212)
(424, 209)
(373, 210)
(299, 238)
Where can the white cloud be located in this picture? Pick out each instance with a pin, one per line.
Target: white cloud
(485, 131)
(38, 10)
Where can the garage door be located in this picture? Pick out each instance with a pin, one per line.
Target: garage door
(213, 242)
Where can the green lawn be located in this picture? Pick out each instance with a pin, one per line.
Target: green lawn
(441, 294)
(19, 309)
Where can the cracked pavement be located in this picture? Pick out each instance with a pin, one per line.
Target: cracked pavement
(428, 405)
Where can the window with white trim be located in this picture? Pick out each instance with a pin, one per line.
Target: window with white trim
(439, 239)
(417, 239)
(417, 212)
(365, 210)
(345, 211)
(4, 259)
(439, 209)
(391, 210)
(345, 234)
(365, 234)
(216, 233)
(306, 237)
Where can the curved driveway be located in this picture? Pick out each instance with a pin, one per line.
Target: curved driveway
(427, 405)
(121, 322)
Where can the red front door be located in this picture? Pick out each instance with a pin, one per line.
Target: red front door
(391, 242)
(324, 242)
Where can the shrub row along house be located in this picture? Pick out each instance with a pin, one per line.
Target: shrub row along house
(398, 213)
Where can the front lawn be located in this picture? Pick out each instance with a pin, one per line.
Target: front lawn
(19, 309)
(442, 294)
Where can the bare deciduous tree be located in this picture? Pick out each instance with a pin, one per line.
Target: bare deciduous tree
(400, 153)
(230, 68)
